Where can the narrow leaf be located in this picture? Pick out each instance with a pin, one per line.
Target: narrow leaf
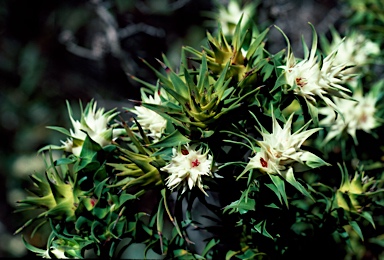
(172, 140)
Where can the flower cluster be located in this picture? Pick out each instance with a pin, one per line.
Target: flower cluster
(249, 127)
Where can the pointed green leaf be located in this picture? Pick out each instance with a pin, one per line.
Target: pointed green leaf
(194, 93)
(125, 197)
(357, 228)
(256, 43)
(280, 185)
(368, 217)
(260, 228)
(179, 85)
(209, 246)
(173, 140)
(291, 179)
(81, 221)
(65, 161)
(34, 249)
(162, 78)
(313, 111)
(89, 148)
(59, 129)
(230, 254)
(133, 138)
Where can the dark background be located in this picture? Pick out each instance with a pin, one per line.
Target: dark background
(52, 51)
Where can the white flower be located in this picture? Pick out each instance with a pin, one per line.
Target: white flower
(95, 123)
(354, 50)
(58, 252)
(303, 76)
(228, 16)
(334, 74)
(280, 150)
(186, 168)
(356, 115)
(311, 78)
(149, 119)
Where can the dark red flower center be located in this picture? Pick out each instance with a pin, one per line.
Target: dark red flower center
(263, 162)
(93, 201)
(195, 163)
(301, 82)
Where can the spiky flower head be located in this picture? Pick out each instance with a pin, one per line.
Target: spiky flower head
(353, 192)
(354, 50)
(149, 119)
(246, 57)
(137, 170)
(196, 100)
(94, 123)
(56, 194)
(280, 150)
(334, 75)
(229, 15)
(312, 78)
(356, 114)
(187, 167)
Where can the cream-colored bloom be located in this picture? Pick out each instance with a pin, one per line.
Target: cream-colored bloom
(228, 16)
(354, 50)
(58, 252)
(357, 115)
(186, 168)
(149, 119)
(313, 78)
(93, 122)
(334, 75)
(304, 77)
(280, 150)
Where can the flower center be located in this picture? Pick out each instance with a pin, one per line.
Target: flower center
(93, 201)
(301, 81)
(363, 118)
(195, 163)
(184, 152)
(263, 162)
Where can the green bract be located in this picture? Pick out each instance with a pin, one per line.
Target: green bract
(197, 100)
(246, 58)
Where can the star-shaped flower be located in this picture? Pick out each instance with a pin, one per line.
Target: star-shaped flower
(280, 150)
(186, 168)
(228, 16)
(357, 114)
(354, 50)
(95, 123)
(313, 77)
